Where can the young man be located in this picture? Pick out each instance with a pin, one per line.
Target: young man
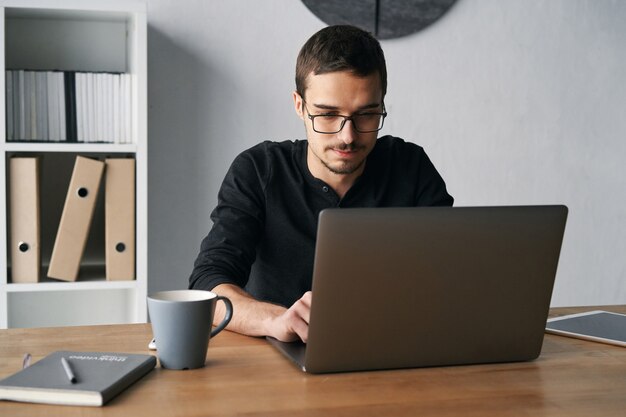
(259, 252)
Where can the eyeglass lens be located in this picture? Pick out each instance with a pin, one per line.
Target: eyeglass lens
(366, 122)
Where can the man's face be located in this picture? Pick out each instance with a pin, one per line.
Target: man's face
(336, 155)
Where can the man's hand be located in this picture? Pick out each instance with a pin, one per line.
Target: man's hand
(256, 318)
(293, 324)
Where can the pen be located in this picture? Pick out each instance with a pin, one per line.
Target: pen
(26, 360)
(68, 370)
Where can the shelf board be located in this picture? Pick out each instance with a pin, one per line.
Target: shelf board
(91, 277)
(70, 286)
(40, 147)
(74, 9)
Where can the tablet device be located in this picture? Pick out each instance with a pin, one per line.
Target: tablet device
(597, 326)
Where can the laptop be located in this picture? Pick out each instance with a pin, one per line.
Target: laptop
(429, 286)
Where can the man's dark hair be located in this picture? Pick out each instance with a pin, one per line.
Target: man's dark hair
(340, 48)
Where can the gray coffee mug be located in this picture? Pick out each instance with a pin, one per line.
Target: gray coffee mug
(181, 325)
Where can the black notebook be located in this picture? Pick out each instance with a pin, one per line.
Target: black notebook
(98, 377)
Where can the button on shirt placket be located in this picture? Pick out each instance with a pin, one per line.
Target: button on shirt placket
(330, 196)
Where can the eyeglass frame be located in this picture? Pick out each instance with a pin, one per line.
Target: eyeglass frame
(312, 117)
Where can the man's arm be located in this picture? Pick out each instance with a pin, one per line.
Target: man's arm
(255, 318)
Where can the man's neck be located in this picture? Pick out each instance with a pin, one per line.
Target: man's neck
(342, 184)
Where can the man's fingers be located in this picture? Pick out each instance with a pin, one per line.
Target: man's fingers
(306, 298)
(292, 326)
(301, 328)
(298, 315)
(302, 307)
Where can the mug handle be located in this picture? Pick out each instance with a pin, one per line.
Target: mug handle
(227, 317)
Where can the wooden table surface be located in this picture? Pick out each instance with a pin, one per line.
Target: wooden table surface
(245, 376)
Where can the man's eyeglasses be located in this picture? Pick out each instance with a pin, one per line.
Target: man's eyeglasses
(364, 122)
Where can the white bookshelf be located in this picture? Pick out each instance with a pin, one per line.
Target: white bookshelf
(74, 35)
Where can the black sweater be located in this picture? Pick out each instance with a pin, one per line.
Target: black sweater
(265, 222)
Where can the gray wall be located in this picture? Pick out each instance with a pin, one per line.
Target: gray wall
(515, 101)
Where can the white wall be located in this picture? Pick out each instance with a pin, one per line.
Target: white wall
(516, 102)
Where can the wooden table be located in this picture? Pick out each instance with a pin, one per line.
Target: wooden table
(246, 376)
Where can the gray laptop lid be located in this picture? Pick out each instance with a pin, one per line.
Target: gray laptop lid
(430, 286)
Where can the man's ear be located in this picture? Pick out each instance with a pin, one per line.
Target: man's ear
(297, 103)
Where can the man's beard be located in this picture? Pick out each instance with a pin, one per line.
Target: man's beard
(346, 167)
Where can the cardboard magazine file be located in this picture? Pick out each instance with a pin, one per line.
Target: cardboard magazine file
(80, 203)
(119, 218)
(24, 211)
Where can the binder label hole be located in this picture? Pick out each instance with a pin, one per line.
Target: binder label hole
(82, 192)
(120, 247)
(23, 246)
